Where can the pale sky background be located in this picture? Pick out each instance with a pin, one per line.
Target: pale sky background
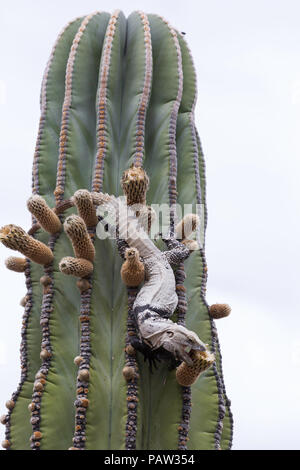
(247, 56)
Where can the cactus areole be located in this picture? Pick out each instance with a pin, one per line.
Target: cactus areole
(119, 349)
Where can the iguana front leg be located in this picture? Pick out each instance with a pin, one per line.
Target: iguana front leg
(148, 353)
(177, 252)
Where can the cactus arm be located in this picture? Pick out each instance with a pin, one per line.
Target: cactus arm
(47, 144)
(107, 388)
(76, 137)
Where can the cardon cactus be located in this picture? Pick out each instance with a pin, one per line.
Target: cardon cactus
(117, 94)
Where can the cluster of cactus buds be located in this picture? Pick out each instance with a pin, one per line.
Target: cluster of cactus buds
(81, 266)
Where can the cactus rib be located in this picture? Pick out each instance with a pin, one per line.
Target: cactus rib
(23, 355)
(102, 104)
(79, 439)
(82, 386)
(44, 109)
(139, 151)
(229, 415)
(61, 167)
(46, 351)
(145, 96)
(155, 388)
(179, 273)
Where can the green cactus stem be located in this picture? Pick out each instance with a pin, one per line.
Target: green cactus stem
(117, 94)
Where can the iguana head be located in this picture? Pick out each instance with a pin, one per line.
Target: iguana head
(178, 340)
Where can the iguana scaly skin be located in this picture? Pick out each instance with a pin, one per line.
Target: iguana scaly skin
(157, 299)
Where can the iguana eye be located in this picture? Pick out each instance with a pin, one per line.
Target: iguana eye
(170, 334)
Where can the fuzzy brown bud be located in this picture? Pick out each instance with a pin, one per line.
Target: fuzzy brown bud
(31, 407)
(16, 238)
(192, 245)
(187, 226)
(38, 386)
(135, 183)
(187, 375)
(45, 280)
(16, 264)
(83, 285)
(37, 435)
(6, 444)
(44, 354)
(132, 270)
(130, 350)
(78, 360)
(23, 301)
(3, 419)
(83, 375)
(44, 215)
(76, 230)
(86, 209)
(217, 311)
(128, 373)
(77, 267)
(10, 404)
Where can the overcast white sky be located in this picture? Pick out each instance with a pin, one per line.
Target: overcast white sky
(247, 55)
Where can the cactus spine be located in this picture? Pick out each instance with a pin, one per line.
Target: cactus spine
(118, 97)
